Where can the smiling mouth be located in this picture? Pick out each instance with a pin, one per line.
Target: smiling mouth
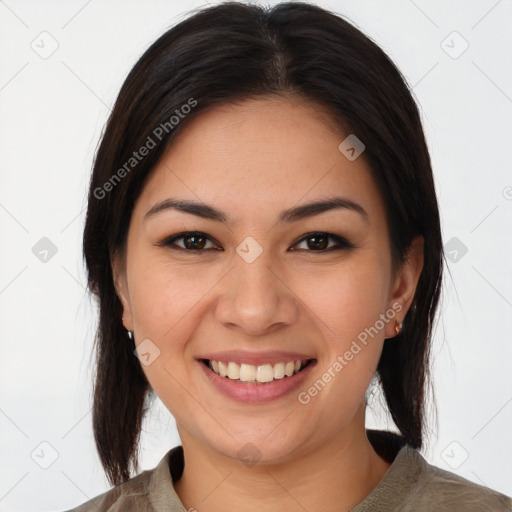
(256, 374)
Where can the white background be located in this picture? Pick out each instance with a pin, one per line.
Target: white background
(51, 115)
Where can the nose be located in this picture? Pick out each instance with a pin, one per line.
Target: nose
(255, 298)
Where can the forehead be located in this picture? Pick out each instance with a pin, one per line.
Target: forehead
(260, 153)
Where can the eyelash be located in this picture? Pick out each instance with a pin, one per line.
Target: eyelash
(342, 242)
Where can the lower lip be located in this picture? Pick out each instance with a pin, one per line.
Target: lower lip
(254, 393)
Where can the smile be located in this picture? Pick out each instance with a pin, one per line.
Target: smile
(268, 379)
(256, 374)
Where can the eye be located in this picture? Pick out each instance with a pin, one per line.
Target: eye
(196, 241)
(319, 242)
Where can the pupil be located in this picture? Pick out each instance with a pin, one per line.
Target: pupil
(192, 245)
(319, 245)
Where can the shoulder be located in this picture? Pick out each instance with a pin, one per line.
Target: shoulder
(411, 484)
(150, 490)
(445, 491)
(131, 495)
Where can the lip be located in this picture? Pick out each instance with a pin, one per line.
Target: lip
(254, 393)
(255, 358)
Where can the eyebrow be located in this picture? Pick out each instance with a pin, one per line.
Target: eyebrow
(290, 215)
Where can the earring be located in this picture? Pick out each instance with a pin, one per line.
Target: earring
(130, 333)
(398, 327)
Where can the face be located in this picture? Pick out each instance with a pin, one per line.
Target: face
(259, 290)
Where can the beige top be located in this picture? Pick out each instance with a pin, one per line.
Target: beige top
(409, 485)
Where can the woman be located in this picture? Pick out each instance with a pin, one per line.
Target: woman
(263, 238)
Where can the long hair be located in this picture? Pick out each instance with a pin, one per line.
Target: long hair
(228, 53)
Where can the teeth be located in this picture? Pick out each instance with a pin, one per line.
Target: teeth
(279, 371)
(233, 371)
(250, 373)
(247, 372)
(223, 369)
(265, 373)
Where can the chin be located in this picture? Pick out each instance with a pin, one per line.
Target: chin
(259, 446)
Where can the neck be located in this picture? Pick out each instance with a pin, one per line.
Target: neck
(335, 476)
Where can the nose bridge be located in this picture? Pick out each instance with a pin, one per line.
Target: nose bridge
(254, 276)
(257, 276)
(256, 298)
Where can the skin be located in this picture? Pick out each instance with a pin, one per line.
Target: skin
(252, 160)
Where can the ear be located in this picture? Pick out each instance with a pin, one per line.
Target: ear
(121, 286)
(405, 283)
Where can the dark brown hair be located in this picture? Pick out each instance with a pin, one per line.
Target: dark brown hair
(228, 53)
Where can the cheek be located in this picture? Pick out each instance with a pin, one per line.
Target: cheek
(164, 302)
(164, 295)
(346, 299)
(348, 304)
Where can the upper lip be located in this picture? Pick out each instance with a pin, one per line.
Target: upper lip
(256, 358)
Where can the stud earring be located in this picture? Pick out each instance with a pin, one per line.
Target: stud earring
(398, 327)
(130, 333)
